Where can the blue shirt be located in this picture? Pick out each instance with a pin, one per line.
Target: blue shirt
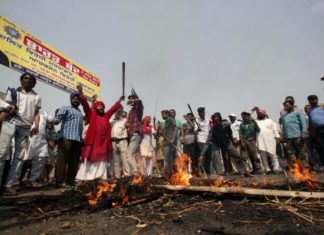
(72, 122)
(294, 125)
(316, 115)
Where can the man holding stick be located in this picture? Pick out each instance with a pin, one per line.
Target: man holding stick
(135, 133)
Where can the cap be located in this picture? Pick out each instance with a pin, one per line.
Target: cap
(232, 115)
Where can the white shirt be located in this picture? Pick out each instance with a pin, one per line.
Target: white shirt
(236, 129)
(118, 129)
(27, 104)
(204, 130)
(266, 137)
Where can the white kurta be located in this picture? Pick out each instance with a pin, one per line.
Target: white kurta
(147, 146)
(147, 151)
(92, 170)
(266, 137)
(38, 146)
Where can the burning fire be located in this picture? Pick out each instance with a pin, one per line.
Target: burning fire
(138, 180)
(303, 173)
(181, 175)
(219, 182)
(103, 187)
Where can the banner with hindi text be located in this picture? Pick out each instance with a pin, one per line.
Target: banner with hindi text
(21, 51)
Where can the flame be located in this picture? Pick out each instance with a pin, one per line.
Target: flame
(303, 173)
(264, 181)
(138, 180)
(103, 187)
(122, 192)
(181, 176)
(125, 200)
(219, 182)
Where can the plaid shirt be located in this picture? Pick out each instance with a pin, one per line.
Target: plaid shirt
(135, 118)
(294, 125)
(72, 122)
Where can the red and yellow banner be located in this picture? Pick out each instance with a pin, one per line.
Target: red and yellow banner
(23, 52)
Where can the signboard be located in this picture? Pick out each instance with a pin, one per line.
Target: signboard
(23, 52)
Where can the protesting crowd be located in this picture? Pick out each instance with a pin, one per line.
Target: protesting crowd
(94, 142)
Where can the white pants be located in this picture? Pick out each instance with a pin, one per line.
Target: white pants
(38, 164)
(264, 160)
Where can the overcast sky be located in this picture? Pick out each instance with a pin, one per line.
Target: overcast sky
(225, 55)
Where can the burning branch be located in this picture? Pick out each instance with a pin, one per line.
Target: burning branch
(239, 190)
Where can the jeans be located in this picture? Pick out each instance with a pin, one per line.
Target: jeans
(207, 158)
(135, 165)
(121, 166)
(170, 152)
(20, 135)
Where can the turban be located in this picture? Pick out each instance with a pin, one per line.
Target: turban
(74, 94)
(262, 111)
(147, 128)
(98, 103)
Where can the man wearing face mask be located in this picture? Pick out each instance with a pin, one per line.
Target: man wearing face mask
(24, 105)
(97, 149)
(69, 146)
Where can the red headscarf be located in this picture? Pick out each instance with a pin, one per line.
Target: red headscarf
(147, 128)
(97, 104)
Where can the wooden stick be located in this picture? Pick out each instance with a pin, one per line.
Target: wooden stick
(239, 190)
(123, 78)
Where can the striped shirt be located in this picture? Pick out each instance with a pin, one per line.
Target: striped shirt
(72, 122)
(294, 125)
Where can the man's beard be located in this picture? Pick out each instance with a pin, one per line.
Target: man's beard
(100, 112)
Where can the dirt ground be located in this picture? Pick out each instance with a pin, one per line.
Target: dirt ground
(54, 211)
